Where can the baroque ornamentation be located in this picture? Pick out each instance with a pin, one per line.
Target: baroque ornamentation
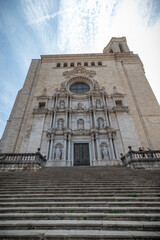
(79, 71)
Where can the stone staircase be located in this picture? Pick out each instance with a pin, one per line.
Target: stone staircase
(80, 203)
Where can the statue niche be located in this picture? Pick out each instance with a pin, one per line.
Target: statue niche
(100, 123)
(61, 104)
(60, 124)
(104, 151)
(80, 124)
(58, 151)
(98, 103)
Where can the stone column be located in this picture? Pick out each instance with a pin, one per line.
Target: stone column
(65, 143)
(48, 144)
(69, 149)
(55, 111)
(111, 146)
(97, 145)
(94, 112)
(93, 149)
(70, 113)
(51, 121)
(115, 147)
(104, 104)
(67, 113)
(51, 148)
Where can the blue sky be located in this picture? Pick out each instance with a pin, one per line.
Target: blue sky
(30, 28)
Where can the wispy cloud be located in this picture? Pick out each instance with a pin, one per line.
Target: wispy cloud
(81, 28)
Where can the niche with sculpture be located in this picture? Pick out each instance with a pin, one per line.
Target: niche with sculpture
(80, 124)
(98, 103)
(58, 151)
(100, 122)
(60, 124)
(61, 104)
(104, 151)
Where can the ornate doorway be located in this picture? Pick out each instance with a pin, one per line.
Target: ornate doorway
(81, 154)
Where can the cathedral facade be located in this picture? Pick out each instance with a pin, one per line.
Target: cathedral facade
(84, 109)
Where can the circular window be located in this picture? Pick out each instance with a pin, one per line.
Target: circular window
(79, 87)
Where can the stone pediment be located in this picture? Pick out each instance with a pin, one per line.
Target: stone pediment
(79, 71)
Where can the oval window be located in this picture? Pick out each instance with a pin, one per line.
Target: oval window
(79, 87)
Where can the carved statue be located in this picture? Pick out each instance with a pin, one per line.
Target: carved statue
(60, 124)
(105, 153)
(61, 104)
(80, 106)
(100, 123)
(58, 152)
(98, 103)
(80, 124)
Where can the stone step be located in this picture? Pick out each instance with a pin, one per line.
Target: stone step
(30, 201)
(80, 191)
(82, 216)
(127, 194)
(80, 224)
(55, 201)
(77, 234)
(106, 188)
(50, 209)
(50, 197)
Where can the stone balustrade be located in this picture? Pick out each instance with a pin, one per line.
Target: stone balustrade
(141, 159)
(21, 161)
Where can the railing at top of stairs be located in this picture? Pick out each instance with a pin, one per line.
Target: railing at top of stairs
(149, 159)
(22, 161)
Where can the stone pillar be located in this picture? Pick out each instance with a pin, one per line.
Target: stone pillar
(55, 111)
(51, 148)
(48, 145)
(115, 146)
(65, 143)
(97, 145)
(104, 104)
(111, 146)
(51, 121)
(94, 111)
(69, 149)
(70, 113)
(93, 149)
(67, 113)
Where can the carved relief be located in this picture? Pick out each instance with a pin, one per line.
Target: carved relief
(79, 70)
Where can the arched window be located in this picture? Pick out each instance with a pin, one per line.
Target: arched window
(86, 64)
(79, 87)
(58, 64)
(99, 63)
(78, 64)
(92, 63)
(72, 65)
(65, 65)
(111, 51)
